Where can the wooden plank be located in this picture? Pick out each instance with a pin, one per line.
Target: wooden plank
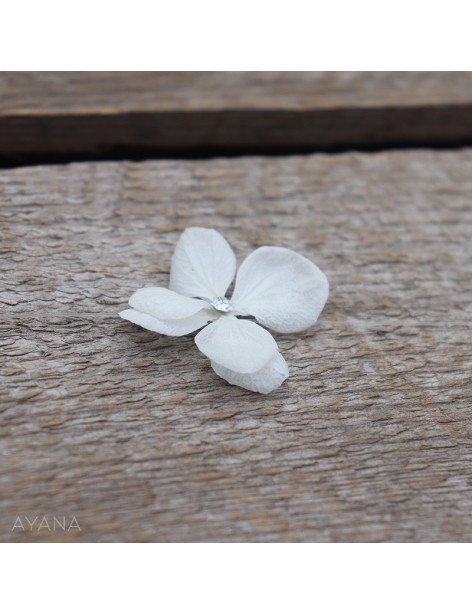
(132, 433)
(142, 114)
(129, 92)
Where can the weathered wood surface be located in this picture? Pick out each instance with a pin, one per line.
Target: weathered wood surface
(122, 114)
(127, 92)
(369, 439)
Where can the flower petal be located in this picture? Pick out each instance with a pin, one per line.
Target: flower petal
(281, 289)
(239, 345)
(267, 379)
(173, 328)
(164, 304)
(203, 264)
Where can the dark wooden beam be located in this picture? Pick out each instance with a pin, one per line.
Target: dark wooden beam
(139, 115)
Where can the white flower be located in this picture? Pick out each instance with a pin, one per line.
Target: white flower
(275, 286)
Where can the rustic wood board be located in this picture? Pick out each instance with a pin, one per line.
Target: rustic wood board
(94, 114)
(127, 92)
(369, 439)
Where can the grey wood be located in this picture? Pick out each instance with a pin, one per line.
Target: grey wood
(143, 114)
(133, 434)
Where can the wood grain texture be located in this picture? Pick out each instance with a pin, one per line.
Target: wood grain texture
(370, 439)
(122, 114)
(128, 92)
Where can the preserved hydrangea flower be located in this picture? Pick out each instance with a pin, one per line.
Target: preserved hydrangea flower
(275, 287)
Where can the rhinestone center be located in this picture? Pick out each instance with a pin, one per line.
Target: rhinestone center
(220, 303)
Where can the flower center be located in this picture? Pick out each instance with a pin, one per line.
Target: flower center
(220, 303)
